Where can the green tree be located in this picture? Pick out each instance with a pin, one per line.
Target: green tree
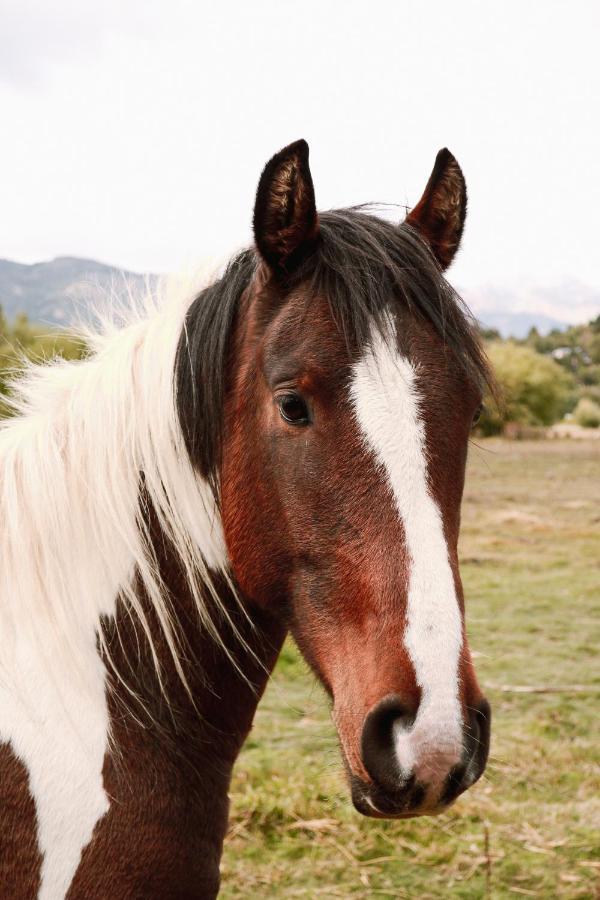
(489, 334)
(587, 413)
(534, 389)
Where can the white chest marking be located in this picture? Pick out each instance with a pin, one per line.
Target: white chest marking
(387, 404)
(60, 735)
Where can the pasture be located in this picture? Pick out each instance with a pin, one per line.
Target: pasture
(530, 551)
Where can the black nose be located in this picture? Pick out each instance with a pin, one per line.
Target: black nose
(396, 792)
(477, 747)
(377, 742)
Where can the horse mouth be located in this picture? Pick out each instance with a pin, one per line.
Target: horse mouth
(409, 802)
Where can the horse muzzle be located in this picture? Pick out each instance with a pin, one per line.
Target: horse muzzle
(428, 779)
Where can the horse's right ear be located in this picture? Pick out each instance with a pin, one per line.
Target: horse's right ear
(439, 216)
(286, 225)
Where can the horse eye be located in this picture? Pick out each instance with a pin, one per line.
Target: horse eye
(293, 409)
(478, 413)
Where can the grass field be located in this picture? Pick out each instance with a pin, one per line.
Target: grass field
(530, 553)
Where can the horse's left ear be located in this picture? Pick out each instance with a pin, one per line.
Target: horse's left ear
(286, 224)
(439, 215)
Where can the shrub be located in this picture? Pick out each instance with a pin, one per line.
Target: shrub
(534, 389)
(587, 413)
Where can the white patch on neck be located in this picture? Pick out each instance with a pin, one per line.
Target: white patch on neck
(385, 394)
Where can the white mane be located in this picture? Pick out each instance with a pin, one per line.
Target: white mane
(72, 537)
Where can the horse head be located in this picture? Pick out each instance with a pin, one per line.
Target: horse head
(354, 379)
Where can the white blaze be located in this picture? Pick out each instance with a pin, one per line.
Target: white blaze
(386, 399)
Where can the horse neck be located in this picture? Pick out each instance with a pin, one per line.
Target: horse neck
(174, 745)
(197, 722)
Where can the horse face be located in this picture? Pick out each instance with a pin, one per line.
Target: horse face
(342, 476)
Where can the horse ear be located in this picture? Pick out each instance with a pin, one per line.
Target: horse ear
(286, 224)
(439, 215)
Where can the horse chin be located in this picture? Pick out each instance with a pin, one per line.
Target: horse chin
(372, 802)
(366, 807)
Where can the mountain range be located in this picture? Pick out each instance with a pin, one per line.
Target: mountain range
(514, 309)
(63, 290)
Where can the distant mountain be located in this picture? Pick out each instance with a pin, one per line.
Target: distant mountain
(63, 290)
(519, 324)
(513, 310)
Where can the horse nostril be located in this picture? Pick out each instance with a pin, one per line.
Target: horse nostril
(481, 722)
(477, 745)
(377, 742)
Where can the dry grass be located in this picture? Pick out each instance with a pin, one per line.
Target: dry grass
(531, 827)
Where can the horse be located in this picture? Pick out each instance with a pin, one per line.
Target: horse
(282, 451)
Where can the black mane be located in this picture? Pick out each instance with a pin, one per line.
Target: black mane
(361, 264)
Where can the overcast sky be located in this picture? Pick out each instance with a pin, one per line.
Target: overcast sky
(135, 132)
